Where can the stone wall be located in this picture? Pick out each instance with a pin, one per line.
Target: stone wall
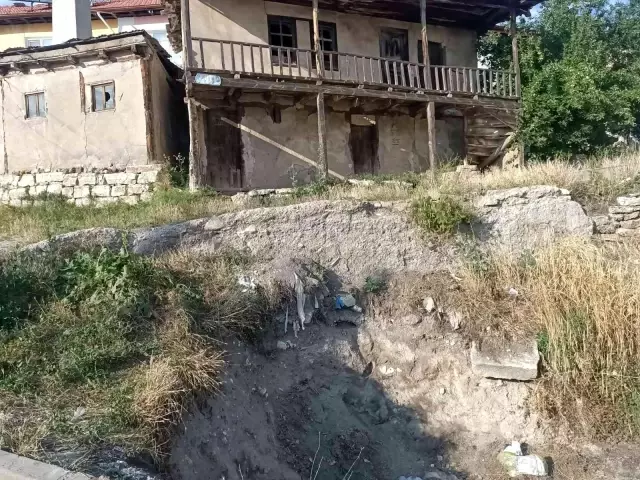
(623, 218)
(81, 186)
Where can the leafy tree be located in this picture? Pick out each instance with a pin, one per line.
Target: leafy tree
(580, 63)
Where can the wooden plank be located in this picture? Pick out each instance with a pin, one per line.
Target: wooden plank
(371, 69)
(242, 68)
(187, 47)
(431, 135)
(322, 138)
(262, 59)
(465, 84)
(395, 72)
(233, 57)
(437, 79)
(200, 44)
(386, 63)
(289, 60)
(267, 85)
(425, 42)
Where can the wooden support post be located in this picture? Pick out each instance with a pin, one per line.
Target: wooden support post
(322, 140)
(431, 136)
(425, 43)
(516, 69)
(195, 176)
(322, 127)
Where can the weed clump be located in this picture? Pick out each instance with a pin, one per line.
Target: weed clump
(104, 348)
(440, 216)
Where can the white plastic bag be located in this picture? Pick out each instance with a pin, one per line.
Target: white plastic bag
(516, 464)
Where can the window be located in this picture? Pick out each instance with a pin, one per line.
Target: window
(282, 33)
(39, 42)
(328, 43)
(35, 106)
(436, 58)
(103, 97)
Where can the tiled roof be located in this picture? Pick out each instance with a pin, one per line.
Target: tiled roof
(101, 6)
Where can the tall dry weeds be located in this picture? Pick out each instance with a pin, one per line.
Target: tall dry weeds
(583, 303)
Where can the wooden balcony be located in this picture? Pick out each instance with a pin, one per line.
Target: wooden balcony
(270, 62)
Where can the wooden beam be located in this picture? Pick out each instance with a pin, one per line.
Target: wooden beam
(316, 41)
(322, 139)
(425, 42)
(431, 135)
(516, 69)
(72, 60)
(195, 175)
(295, 87)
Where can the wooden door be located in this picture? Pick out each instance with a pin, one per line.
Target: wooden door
(363, 141)
(224, 151)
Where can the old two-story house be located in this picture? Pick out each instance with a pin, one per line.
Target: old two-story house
(285, 91)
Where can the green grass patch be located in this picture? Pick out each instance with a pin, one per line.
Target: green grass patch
(103, 348)
(440, 216)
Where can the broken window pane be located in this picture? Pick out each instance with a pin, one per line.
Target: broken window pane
(35, 105)
(103, 97)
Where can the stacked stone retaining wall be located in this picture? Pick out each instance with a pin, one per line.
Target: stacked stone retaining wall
(623, 218)
(81, 187)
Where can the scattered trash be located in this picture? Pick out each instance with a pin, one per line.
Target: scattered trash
(282, 345)
(455, 319)
(429, 304)
(409, 478)
(78, 414)
(263, 391)
(512, 292)
(443, 391)
(345, 300)
(247, 282)
(518, 464)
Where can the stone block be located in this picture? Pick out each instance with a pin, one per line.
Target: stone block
(70, 180)
(144, 168)
(15, 202)
(137, 189)
(105, 200)
(628, 201)
(628, 232)
(83, 202)
(49, 177)
(148, 177)
(81, 191)
(118, 190)
(102, 191)
(18, 193)
(87, 179)
(54, 188)
(38, 189)
(9, 180)
(130, 199)
(621, 217)
(506, 360)
(214, 224)
(630, 224)
(122, 178)
(616, 209)
(145, 197)
(604, 224)
(67, 192)
(26, 180)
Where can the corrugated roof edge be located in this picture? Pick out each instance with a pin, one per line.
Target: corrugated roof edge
(164, 56)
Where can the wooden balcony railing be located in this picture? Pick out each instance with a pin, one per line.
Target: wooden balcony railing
(265, 60)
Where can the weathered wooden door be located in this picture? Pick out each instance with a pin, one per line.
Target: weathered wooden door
(364, 148)
(224, 151)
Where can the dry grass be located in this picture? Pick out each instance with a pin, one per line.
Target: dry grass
(583, 303)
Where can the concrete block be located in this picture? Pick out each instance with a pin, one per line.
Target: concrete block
(13, 467)
(506, 360)
(87, 179)
(137, 189)
(102, 191)
(81, 191)
(119, 178)
(17, 193)
(148, 177)
(54, 188)
(118, 190)
(49, 177)
(26, 180)
(70, 180)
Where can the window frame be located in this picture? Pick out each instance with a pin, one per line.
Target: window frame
(102, 85)
(41, 105)
(40, 41)
(334, 28)
(294, 38)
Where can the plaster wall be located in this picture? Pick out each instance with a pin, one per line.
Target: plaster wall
(71, 134)
(246, 21)
(402, 145)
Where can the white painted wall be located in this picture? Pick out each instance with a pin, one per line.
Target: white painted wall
(71, 19)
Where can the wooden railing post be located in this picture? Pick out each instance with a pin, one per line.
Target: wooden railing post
(322, 129)
(514, 49)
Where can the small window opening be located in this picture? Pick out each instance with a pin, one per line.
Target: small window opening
(103, 97)
(35, 105)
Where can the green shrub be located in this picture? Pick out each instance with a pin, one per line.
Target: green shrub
(375, 284)
(441, 216)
